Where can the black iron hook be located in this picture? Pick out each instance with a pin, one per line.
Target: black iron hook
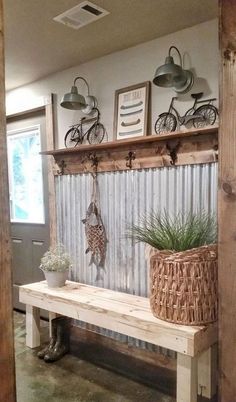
(62, 166)
(130, 157)
(173, 149)
(94, 161)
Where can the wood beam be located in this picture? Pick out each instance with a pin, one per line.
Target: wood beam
(50, 144)
(227, 203)
(7, 368)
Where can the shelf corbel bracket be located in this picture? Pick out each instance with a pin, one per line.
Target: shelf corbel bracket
(61, 166)
(129, 158)
(173, 148)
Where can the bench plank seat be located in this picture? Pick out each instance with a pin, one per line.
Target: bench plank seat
(120, 312)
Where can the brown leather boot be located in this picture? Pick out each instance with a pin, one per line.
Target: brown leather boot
(61, 346)
(52, 341)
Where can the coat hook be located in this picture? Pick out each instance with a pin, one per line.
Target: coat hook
(173, 149)
(130, 157)
(62, 166)
(94, 159)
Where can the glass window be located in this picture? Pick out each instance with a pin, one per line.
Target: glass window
(25, 175)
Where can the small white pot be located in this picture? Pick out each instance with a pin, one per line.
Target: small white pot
(55, 279)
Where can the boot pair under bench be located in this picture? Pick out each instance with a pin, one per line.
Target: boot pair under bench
(59, 342)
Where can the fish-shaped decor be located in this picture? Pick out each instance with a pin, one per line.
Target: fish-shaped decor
(96, 236)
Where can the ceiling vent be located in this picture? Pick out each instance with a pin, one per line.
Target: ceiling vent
(81, 15)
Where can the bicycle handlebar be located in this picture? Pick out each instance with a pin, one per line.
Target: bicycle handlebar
(84, 118)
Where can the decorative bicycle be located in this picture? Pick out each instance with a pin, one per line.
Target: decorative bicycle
(197, 116)
(76, 135)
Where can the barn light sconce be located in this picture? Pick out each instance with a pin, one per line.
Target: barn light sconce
(75, 101)
(173, 75)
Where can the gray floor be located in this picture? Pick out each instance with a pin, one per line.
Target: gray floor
(71, 379)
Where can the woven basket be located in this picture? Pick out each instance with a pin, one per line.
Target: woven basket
(184, 285)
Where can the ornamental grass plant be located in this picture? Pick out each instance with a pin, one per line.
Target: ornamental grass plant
(182, 265)
(178, 233)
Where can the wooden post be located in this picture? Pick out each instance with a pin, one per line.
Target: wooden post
(50, 143)
(227, 203)
(7, 368)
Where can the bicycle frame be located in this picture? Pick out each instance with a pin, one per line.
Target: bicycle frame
(79, 126)
(172, 109)
(190, 112)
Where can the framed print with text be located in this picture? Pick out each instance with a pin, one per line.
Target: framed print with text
(131, 111)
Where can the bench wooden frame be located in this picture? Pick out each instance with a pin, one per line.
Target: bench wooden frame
(129, 315)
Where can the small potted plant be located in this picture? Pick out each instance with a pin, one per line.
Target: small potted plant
(183, 266)
(55, 265)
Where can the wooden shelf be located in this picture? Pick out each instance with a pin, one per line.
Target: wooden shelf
(174, 148)
(134, 141)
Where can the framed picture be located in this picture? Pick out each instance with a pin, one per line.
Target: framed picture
(131, 111)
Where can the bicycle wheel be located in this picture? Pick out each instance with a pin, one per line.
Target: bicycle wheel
(96, 134)
(187, 120)
(206, 116)
(73, 137)
(165, 123)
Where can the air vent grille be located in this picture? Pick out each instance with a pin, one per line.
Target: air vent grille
(92, 10)
(81, 15)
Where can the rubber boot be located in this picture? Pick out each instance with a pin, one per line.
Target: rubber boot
(52, 342)
(61, 346)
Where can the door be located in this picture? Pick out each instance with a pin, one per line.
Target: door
(28, 188)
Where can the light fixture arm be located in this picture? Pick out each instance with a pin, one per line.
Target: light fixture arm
(83, 79)
(177, 50)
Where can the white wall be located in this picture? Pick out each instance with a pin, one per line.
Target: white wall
(134, 65)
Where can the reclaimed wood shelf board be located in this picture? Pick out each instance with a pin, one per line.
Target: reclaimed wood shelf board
(175, 148)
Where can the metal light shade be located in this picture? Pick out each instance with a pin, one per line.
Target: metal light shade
(173, 75)
(168, 74)
(73, 100)
(184, 85)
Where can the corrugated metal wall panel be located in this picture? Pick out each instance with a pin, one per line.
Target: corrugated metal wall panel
(124, 196)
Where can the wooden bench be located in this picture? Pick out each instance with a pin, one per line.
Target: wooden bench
(129, 315)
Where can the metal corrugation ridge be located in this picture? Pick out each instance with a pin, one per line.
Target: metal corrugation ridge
(124, 197)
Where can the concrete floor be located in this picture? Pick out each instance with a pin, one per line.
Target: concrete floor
(72, 379)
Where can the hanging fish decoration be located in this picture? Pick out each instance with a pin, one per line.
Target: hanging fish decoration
(95, 233)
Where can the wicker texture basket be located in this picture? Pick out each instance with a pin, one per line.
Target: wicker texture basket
(184, 285)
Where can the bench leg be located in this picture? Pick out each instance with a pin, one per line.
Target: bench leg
(32, 326)
(207, 372)
(186, 378)
(51, 317)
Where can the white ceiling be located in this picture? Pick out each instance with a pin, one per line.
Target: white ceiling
(37, 46)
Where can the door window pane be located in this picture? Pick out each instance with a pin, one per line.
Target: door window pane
(25, 176)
